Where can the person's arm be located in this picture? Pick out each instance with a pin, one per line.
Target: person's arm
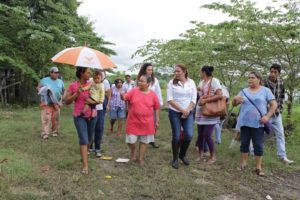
(170, 98)
(208, 99)
(272, 109)
(102, 94)
(158, 92)
(69, 97)
(108, 94)
(237, 100)
(157, 118)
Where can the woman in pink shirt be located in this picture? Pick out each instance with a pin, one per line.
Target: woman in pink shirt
(83, 123)
(142, 103)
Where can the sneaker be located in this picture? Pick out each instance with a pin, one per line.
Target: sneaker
(54, 134)
(287, 161)
(45, 137)
(91, 150)
(98, 154)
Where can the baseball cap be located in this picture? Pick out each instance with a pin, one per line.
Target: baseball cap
(53, 69)
(127, 74)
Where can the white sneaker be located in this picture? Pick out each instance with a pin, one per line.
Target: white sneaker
(54, 134)
(98, 154)
(45, 137)
(287, 161)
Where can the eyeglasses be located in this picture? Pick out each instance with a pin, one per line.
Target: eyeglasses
(55, 72)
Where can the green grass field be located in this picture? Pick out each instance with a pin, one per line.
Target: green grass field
(32, 168)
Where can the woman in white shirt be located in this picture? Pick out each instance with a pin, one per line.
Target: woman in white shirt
(181, 97)
(147, 69)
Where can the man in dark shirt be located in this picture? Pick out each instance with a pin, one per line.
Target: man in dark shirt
(275, 84)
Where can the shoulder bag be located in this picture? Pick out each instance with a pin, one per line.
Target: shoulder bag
(267, 126)
(215, 108)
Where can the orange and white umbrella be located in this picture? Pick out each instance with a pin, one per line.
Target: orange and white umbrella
(84, 57)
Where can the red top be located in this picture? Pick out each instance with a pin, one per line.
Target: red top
(140, 119)
(79, 102)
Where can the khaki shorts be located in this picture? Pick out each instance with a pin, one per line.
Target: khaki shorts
(131, 139)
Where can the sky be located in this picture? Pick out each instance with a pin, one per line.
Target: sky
(131, 23)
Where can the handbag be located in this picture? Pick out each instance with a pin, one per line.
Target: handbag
(214, 108)
(267, 126)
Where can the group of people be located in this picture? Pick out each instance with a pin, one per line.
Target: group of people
(139, 102)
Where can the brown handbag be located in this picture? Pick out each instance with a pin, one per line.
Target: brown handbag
(215, 108)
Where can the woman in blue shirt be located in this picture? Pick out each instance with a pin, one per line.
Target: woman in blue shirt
(250, 122)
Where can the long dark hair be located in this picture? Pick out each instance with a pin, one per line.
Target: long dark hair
(143, 72)
(208, 70)
(80, 71)
(184, 69)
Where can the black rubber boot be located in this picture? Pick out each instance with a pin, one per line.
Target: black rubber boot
(183, 149)
(174, 162)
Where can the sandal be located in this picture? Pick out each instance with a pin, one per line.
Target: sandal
(211, 161)
(259, 172)
(85, 171)
(241, 167)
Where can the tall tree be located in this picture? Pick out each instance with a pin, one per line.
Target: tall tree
(32, 31)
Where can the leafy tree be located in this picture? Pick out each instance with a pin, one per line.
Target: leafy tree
(252, 40)
(33, 31)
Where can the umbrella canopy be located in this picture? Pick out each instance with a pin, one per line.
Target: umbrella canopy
(84, 57)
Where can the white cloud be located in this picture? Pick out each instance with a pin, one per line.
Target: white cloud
(131, 23)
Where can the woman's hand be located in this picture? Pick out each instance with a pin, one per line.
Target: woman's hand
(157, 124)
(202, 102)
(264, 119)
(122, 96)
(185, 112)
(238, 100)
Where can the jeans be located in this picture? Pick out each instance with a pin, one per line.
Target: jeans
(218, 129)
(186, 123)
(85, 128)
(279, 134)
(257, 137)
(99, 129)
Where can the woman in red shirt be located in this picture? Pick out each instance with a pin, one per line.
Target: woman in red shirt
(142, 102)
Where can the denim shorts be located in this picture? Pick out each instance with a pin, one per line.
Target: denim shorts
(85, 129)
(117, 114)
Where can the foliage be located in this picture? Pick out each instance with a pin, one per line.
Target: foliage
(252, 40)
(33, 31)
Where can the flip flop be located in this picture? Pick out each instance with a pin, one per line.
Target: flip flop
(259, 172)
(84, 171)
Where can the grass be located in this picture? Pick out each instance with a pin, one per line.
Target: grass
(23, 175)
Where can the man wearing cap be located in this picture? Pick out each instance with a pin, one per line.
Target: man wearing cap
(51, 90)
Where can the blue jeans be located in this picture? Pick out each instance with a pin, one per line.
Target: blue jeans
(218, 129)
(99, 129)
(176, 123)
(257, 137)
(279, 134)
(85, 128)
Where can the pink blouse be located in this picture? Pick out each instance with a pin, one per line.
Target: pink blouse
(79, 102)
(140, 119)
